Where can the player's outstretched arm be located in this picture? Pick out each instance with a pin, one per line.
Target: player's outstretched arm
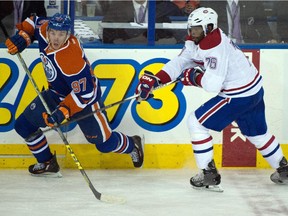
(18, 42)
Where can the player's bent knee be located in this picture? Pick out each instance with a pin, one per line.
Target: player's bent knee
(259, 140)
(196, 130)
(93, 140)
(109, 145)
(23, 127)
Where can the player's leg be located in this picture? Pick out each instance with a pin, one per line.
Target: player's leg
(253, 125)
(203, 152)
(271, 151)
(29, 123)
(97, 130)
(213, 115)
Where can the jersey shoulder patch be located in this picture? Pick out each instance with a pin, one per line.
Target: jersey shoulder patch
(211, 40)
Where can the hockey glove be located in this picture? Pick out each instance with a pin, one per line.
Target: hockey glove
(192, 77)
(18, 42)
(58, 115)
(146, 84)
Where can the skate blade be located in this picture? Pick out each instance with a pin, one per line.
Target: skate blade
(213, 188)
(48, 175)
(280, 182)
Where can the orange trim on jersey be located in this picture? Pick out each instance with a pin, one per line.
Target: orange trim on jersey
(103, 121)
(26, 26)
(70, 103)
(74, 53)
(43, 29)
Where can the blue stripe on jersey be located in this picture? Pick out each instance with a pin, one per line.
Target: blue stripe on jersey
(203, 151)
(231, 94)
(271, 153)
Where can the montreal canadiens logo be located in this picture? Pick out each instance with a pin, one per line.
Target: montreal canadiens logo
(49, 69)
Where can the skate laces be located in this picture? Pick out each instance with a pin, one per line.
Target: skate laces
(39, 166)
(135, 155)
(198, 177)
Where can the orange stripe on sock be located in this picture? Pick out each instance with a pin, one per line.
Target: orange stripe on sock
(40, 145)
(123, 145)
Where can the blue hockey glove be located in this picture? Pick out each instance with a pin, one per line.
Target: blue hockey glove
(18, 42)
(192, 77)
(58, 115)
(146, 85)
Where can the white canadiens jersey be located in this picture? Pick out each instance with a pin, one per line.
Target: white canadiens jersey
(228, 71)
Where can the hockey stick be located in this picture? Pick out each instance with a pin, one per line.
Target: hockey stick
(103, 108)
(98, 195)
(4, 29)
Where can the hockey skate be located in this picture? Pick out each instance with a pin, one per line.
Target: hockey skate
(47, 169)
(208, 179)
(280, 176)
(137, 154)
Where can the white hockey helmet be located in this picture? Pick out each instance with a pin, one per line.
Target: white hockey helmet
(202, 17)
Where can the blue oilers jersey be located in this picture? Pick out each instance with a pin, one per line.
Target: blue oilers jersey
(67, 69)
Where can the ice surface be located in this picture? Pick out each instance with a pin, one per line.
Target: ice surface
(148, 192)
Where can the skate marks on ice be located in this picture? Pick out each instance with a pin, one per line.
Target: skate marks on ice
(147, 192)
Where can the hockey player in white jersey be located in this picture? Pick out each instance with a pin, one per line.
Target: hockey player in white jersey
(210, 60)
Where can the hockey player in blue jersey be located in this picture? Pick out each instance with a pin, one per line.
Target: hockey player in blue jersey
(210, 60)
(74, 91)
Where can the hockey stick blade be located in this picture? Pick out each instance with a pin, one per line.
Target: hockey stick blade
(112, 199)
(212, 188)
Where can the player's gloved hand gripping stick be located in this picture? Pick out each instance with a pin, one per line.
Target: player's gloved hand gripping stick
(147, 83)
(135, 96)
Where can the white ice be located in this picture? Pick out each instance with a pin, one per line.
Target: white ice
(148, 192)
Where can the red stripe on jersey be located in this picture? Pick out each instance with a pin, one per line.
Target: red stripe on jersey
(202, 141)
(163, 76)
(213, 109)
(242, 87)
(198, 62)
(212, 40)
(268, 143)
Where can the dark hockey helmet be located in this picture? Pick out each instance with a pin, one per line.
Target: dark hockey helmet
(61, 22)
